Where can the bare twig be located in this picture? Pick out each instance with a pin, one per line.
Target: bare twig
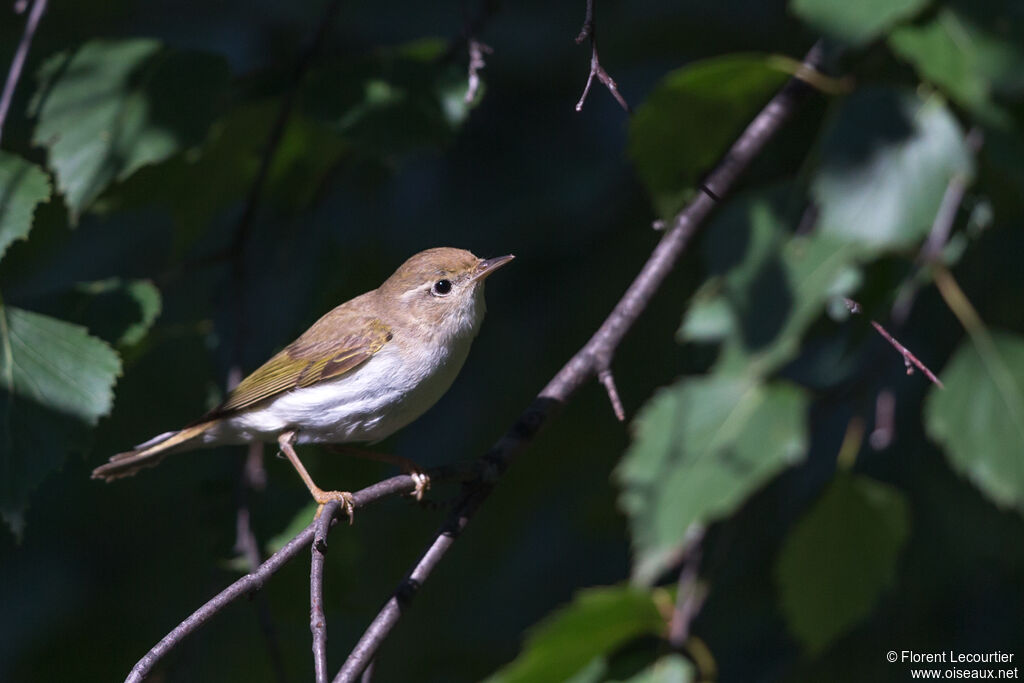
(253, 581)
(589, 30)
(473, 25)
(909, 359)
(586, 363)
(938, 236)
(690, 594)
(317, 619)
(607, 379)
(942, 226)
(885, 423)
(18, 62)
(477, 50)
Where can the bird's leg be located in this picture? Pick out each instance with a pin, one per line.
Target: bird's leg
(419, 478)
(286, 441)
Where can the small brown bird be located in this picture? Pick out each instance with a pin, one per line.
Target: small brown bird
(361, 372)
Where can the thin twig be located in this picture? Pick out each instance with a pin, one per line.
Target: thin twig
(589, 30)
(317, 619)
(689, 594)
(246, 585)
(477, 50)
(909, 359)
(585, 364)
(472, 26)
(607, 379)
(953, 197)
(18, 62)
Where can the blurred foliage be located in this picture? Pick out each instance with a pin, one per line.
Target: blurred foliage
(843, 507)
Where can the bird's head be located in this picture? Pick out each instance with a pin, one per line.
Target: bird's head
(442, 289)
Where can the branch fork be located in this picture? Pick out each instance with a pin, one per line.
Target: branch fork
(589, 30)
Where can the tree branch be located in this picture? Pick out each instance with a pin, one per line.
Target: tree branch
(589, 30)
(18, 62)
(587, 362)
(689, 594)
(317, 619)
(253, 581)
(909, 359)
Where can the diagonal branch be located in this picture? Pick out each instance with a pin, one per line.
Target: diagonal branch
(18, 62)
(588, 361)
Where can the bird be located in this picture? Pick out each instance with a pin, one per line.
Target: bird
(361, 372)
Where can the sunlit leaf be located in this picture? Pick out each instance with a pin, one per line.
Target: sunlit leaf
(886, 160)
(596, 622)
(22, 186)
(855, 22)
(840, 558)
(55, 381)
(108, 108)
(973, 50)
(701, 448)
(979, 417)
(668, 669)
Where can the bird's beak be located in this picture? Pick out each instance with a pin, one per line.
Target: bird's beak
(489, 265)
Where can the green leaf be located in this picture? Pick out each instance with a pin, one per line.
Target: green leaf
(973, 50)
(55, 381)
(768, 286)
(701, 447)
(840, 558)
(393, 101)
(855, 22)
(110, 107)
(598, 621)
(22, 186)
(979, 417)
(886, 161)
(692, 117)
(119, 311)
(668, 669)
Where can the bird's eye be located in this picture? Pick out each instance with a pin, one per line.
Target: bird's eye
(442, 287)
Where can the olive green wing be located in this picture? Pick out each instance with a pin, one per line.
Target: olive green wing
(314, 357)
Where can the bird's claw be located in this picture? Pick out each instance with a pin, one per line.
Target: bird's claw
(422, 483)
(343, 497)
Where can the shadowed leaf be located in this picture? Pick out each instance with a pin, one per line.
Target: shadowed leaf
(22, 186)
(840, 557)
(979, 417)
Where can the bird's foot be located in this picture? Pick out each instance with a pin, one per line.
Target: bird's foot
(344, 497)
(422, 482)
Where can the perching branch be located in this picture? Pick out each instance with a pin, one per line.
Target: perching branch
(589, 30)
(253, 581)
(18, 62)
(589, 361)
(317, 618)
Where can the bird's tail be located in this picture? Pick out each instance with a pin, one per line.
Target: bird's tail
(149, 454)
